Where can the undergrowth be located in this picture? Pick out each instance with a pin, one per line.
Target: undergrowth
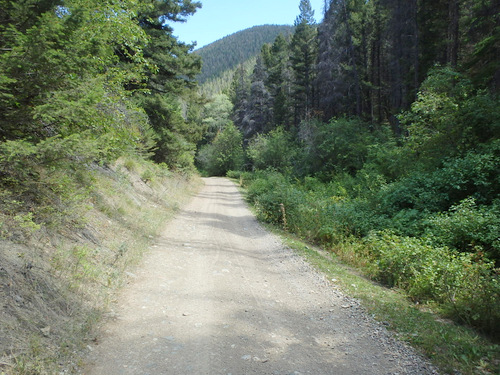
(447, 301)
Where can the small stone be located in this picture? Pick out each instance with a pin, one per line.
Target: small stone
(46, 331)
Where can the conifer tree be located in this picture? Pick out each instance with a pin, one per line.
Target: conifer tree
(176, 69)
(260, 103)
(303, 55)
(279, 80)
(240, 97)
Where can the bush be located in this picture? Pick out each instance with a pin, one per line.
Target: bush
(234, 174)
(464, 285)
(466, 289)
(46, 181)
(274, 150)
(225, 153)
(468, 228)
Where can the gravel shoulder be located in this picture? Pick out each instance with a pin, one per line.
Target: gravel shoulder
(218, 294)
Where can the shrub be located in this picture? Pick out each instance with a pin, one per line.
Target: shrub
(465, 286)
(466, 289)
(234, 174)
(274, 150)
(468, 228)
(225, 153)
(43, 180)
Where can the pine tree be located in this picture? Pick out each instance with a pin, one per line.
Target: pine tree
(338, 81)
(58, 76)
(279, 80)
(240, 97)
(260, 103)
(174, 77)
(303, 55)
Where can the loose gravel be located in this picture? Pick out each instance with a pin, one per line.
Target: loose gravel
(218, 294)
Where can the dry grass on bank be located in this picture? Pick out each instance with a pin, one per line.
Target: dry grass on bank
(56, 280)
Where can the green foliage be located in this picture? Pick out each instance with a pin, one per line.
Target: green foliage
(468, 228)
(466, 290)
(339, 146)
(274, 150)
(303, 54)
(473, 175)
(175, 142)
(463, 285)
(225, 153)
(448, 118)
(44, 182)
(216, 116)
(69, 67)
(169, 99)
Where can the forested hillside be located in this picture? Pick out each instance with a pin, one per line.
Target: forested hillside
(222, 83)
(376, 133)
(232, 50)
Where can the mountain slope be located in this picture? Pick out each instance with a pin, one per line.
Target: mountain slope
(226, 53)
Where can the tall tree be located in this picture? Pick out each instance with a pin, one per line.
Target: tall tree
(338, 81)
(303, 55)
(240, 91)
(279, 80)
(481, 42)
(176, 69)
(260, 102)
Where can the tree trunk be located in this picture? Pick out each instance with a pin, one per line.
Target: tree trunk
(357, 87)
(453, 32)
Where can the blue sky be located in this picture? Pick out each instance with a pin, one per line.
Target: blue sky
(219, 18)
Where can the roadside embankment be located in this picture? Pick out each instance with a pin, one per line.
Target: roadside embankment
(57, 275)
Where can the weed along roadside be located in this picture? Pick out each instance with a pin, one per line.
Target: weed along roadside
(58, 276)
(348, 263)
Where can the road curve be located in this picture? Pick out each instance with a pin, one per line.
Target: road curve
(218, 294)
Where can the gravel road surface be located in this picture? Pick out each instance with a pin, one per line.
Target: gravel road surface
(219, 295)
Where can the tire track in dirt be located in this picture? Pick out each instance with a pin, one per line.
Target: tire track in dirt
(220, 295)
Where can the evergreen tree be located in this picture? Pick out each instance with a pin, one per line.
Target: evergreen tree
(479, 41)
(338, 80)
(173, 78)
(279, 80)
(402, 55)
(260, 104)
(240, 98)
(303, 55)
(59, 77)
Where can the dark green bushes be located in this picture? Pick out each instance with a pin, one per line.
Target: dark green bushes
(465, 288)
(468, 227)
(452, 265)
(225, 153)
(418, 209)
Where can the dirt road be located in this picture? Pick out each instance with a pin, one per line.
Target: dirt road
(220, 295)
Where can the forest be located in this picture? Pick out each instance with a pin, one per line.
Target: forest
(374, 133)
(226, 53)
